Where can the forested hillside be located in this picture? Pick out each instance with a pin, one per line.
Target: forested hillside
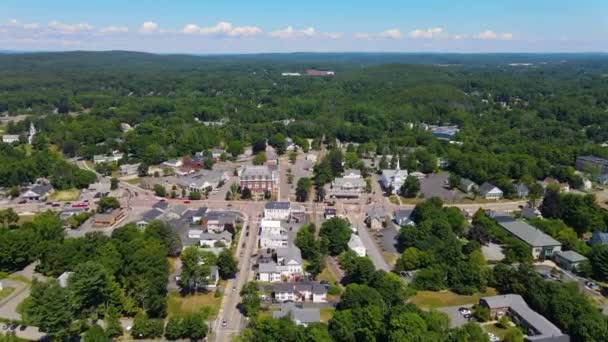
(516, 120)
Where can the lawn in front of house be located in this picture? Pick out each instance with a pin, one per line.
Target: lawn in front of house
(327, 314)
(177, 303)
(6, 291)
(432, 299)
(64, 195)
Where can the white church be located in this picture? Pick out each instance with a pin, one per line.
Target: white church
(392, 180)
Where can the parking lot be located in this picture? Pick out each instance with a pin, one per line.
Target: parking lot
(457, 319)
(435, 185)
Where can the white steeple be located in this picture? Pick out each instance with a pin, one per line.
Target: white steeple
(398, 168)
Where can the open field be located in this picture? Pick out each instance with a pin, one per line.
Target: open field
(64, 195)
(431, 299)
(327, 314)
(192, 303)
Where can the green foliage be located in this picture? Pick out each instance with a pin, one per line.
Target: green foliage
(195, 270)
(160, 190)
(303, 189)
(161, 231)
(357, 269)
(481, 313)
(95, 333)
(107, 204)
(194, 195)
(144, 327)
(76, 220)
(113, 183)
(192, 326)
(226, 264)
(410, 187)
(259, 159)
(250, 299)
(336, 233)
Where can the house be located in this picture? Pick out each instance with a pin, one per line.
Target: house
(598, 237)
(587, 184)
(402, 217)
(203, 180)
(112, 158)
(467, 186)
(38, 191)
(329, 213)
(216, 153)
(375, 218)
(63, 278)
(569, 260)
(356, 245)
(277, 210)
(148, 217)
(223, 239)
(443, 132)
(108, 219)
(352, 173)
(490, 191)
(272, 234)
(347, 187)
(197, 216)
(522, 190)
(290, 258)
(542, 245)
(69, 212)
(564, 187)
(173, 163)
(258, 179)
(218, 221)
(298, 315)
(10, 138)
(213, 278)
(300, 292)
(536, 327)
(129, 169)
(268, 272)
(392, 180)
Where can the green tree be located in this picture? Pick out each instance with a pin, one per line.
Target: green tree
(513, 335)
(250, 299)
(306, 242)
(46, 308)
(453, 180)
(113, 183)
(337, 234)
(160, 190)
(235, 148)
(410, 187)
(194, 195)
(259, 159)
(142, 170)
(107, 203)
(303, 189)
(8, 217)
(227, 264)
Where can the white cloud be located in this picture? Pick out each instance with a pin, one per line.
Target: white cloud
(290, 32)
(148, 27)
(507, 36)
(391, 34)
(224, 29)
(333, 35)
(114, 29)
(13, 22)
(69, 28)
(429, 33)
(491, 35)
(31, 26)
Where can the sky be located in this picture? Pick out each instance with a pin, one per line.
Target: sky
(254, 26)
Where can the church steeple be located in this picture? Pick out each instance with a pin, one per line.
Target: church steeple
(398, 168)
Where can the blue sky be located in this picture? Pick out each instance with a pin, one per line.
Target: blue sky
(234, 26)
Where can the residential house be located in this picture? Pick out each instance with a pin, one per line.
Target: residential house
(392, 180)
(269, 272)
(129, 169)
(273, 234)
(173, 163)
(356, 245)
(536, 327)
(218, 221)
(563, 187)
(530, 213)
(594, 165)
(443, 132)
(542, 245)
(216, 153)
(347, 187)
(402, 217)
(271, 158)
(490, 191)
(258, 179)
(197, 215)
(467, 186)
(277, 210)
(569, 260)
(223, 239)
(10, 138)
(290, 258)
(598, 237)
(213, 278)
(298, 315)
(522, 190)
(352, 173)
(38, 191)
(375, 218)
(587, 184)
(148, 217)
(300, 292)
(112, 158)
(108, 219)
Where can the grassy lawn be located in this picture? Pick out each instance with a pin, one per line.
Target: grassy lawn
(431, 299)
(133, 181)
(20, 278)
(6, 292)
(390, 258)
(327, 314)
(25, 218)
(494, 329)
(327, 275)
(193, 303)
(171, 261)
(64, 195)
(411, 200)
(393, 199)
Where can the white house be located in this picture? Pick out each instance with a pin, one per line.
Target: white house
(174, 163)
(356, 245)
(114, 157)
(272, 234)
(63, 278)
(352, 173)
(392, 180)
(10, 138)
(277, 210)
(290, 258)
(211, 239)
(490, 191)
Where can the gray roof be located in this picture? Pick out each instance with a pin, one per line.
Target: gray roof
(225, 235)
(487, 187)
(41, 189)
(352, 171)
(525, 232)
(283, 287)
(162, 205)
(268, 267)
(290, 252)
(516, 303)
(152, 215)
(598, 237)
(571, 256)
(353, 182)
(402, 214)
(277, 205)
(303, 316)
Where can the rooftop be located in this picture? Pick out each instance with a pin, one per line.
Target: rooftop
(571, 256)
(525, 232)
(277, 205)
(299, 315)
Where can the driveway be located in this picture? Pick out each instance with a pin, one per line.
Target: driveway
(456, 318)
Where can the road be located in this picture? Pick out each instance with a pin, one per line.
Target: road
(373, 251)
(235, 321)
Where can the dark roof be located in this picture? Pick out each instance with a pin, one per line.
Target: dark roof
(598, 237)
(162, 205)
(402, 213)
(151, 215)
(329, 211)
(277, 205)
(283, 287)
(486, 187)
(41, 189)
(525, 232)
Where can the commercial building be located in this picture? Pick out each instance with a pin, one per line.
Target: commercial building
(277, 210)
(258, 178)
(542, 245)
